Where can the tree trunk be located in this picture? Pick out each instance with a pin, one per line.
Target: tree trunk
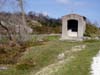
(22, 31)
(8, 31)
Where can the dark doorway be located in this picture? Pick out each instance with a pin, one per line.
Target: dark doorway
(73, 25)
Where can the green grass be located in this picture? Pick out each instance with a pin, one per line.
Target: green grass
(45, 37)
(52, 38)
(41, 56)
(82, 62)
(46, 54)
(13, 71)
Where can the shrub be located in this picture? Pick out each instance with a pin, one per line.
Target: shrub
(8, 55)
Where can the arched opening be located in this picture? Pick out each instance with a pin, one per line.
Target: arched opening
(72, 27)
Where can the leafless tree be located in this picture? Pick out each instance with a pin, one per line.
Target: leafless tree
(14, 20)
(23, 29)
(10, 23)
(2, 24)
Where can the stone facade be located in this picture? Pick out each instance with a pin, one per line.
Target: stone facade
(73, 27)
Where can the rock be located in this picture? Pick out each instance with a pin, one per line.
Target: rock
(61, 56)
(3, 67)
(97, 38)
(87, 38)
(78, 48)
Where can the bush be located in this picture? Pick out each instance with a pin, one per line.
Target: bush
(8, 55)
(4, 40)
(91, 30)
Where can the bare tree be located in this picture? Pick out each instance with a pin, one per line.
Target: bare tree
(6, 20)
(22, 11)
(2, 24)
(10, 23)
(23, 29)
(15, 20)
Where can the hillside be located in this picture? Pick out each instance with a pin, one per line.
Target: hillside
(41, 24)
(92, 30)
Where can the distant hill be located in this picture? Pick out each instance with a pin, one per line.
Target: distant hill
(42, 24)
(48, 24)
(52, 25)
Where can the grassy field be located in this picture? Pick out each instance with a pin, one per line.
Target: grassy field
(82, 62)
(38, 57)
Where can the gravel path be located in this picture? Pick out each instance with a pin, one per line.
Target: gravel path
(50, 69)
(96, 65)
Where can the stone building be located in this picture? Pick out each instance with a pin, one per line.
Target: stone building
(73, 27)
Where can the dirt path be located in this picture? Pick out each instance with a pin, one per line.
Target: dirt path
(50, 69)
(96, 65)
(53, 67)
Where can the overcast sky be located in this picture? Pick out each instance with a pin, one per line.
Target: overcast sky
(59, 8)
